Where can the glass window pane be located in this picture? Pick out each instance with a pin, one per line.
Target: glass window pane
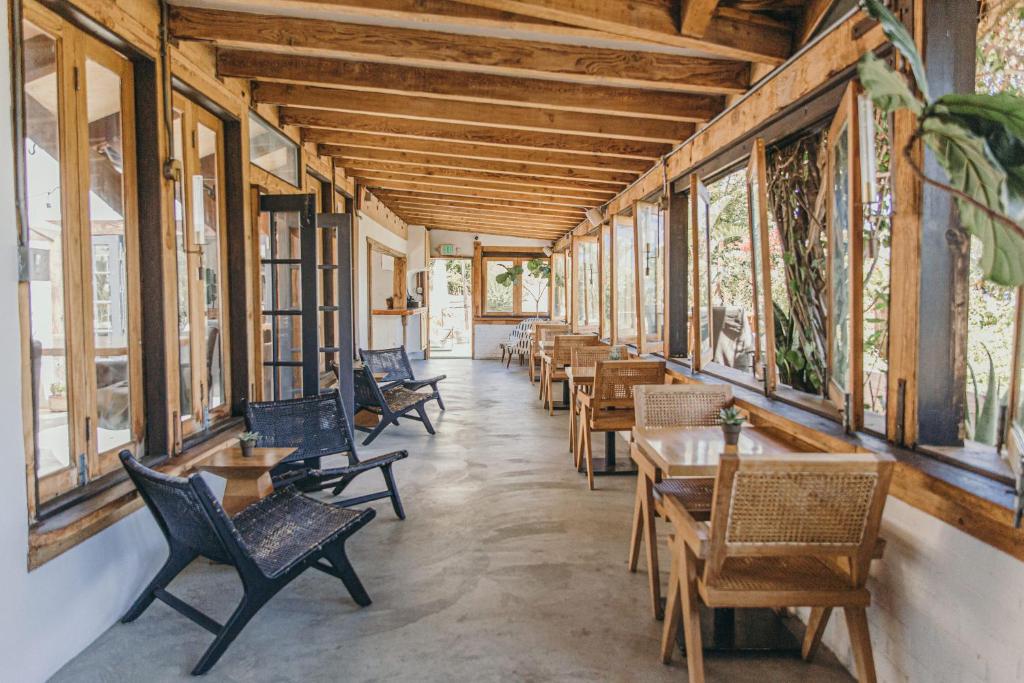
(732, 293)
(272, 150)
(209, 144)
(558, 283)
(839, 258)
(625, 280)
(606, 280)
(181, 257)
(498, 293)
(704, 260)
(109, 256)
(651, 232)
(588, 295)
(536, 276)
(46, 251)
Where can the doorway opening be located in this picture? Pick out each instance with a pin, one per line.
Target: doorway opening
(451, 308)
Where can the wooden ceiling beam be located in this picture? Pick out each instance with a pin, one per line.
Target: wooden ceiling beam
(814, 13)
(506, 232)
(438, 177)
(423, 217)
(430, 49)
(334, 120)
(489, 203)
(372, 142)
(475, 113)
(595, 187)
(475, 87)
(696, 17)
(375, 181)
(477, 224)
(528, 217)
(729, 35)
(344, 152)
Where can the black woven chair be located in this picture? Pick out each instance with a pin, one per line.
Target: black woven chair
(318, 426)
(269, 544)
(389, 403)
(395, 363)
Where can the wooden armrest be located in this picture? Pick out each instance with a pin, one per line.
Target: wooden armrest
(583, 398)
(695, 534)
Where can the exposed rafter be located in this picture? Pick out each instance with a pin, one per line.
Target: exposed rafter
(469, 87)
(499, 56)
(734, 35)
(696, 17)
(472, 113)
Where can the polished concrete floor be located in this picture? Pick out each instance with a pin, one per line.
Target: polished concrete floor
(506, 569)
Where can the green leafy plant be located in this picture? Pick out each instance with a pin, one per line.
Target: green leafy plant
(978, 140)
(731, 416)
(249, 437)
(795, 360)
(539, 269)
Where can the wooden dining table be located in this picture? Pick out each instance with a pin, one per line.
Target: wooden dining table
(696, 452)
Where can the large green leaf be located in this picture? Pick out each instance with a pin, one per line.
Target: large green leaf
(901, 38)
(972, 170)
(1002, 108)
(888, 90)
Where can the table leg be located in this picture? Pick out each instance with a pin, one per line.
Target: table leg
(241, 492)
(610, 464)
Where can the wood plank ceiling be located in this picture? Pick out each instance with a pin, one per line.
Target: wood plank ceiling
(496, 116)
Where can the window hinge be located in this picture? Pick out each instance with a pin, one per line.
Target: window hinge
(24, 263)
(195, 139)
(74, 78)
(83, 469)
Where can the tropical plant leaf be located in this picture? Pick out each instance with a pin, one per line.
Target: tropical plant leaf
(888, 89)
(985, 421)
(1002, 108)
(972, 170)
(901, 38)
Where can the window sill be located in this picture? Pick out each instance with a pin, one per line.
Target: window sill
(948, 484)
(66, 529)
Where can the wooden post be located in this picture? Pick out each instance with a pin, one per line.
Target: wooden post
(677, 281)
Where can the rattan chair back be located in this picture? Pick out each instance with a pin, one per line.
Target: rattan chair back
(561, 352)
(545, 332)
(316, 426)
(681, 405)
(587, 356)
(615, 380)
(811, 504)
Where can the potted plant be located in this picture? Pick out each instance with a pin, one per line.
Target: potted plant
(732, 424)
(247, 440)
(57, 401)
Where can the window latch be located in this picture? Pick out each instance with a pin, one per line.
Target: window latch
(83, 469)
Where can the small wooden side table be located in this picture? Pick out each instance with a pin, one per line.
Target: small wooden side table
(248, 479)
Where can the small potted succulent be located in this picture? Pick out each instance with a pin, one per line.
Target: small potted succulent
(732, 423)
(247, 440)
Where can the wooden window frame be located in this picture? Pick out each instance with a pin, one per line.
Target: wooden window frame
(645, 345)
(616, 336)
(578, 242)
(517, 289)
(75, 48)
(299, 175)
(764, 315)
(604, 250)
(194, 115)
(558, 257)
(700, 200)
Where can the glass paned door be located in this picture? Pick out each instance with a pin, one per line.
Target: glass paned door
(287, 247)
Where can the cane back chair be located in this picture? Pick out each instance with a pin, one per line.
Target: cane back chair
(664, 407)
(318, 426)
(543, 332)
(586, 357)
(609, 406)
(784, 531)
(555, 363)
(268, 543)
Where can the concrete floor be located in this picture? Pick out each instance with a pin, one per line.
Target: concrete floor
(506, 569)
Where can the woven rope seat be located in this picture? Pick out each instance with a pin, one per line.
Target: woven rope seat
(399, 398)
(693, 492)
(281, 529)
(797, 573)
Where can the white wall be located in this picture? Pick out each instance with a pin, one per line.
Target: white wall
(946, 608)
(463, 241)
(385, 328)
(52, 613)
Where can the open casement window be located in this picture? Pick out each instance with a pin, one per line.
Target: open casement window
(651, 269)
(606, 281)
(700, 222)
(764, 319)
(586, 305)
(1014, 436)
(624, 292)
(845, 259)
(81, 301)
(200, 235)
(558, 287)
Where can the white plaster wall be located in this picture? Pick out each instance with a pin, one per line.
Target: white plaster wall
(463, 241)
(369, 228)
(486, 339)
(52, 613)
(946, 608)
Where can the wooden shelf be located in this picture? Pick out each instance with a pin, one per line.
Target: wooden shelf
(397, 311)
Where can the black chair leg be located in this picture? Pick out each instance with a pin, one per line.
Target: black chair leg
(177, 561)
(335, 554)
(423, 417)
(375, 432)
(340, 486)
(246, 610)
(389, 480)
(437, 393)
